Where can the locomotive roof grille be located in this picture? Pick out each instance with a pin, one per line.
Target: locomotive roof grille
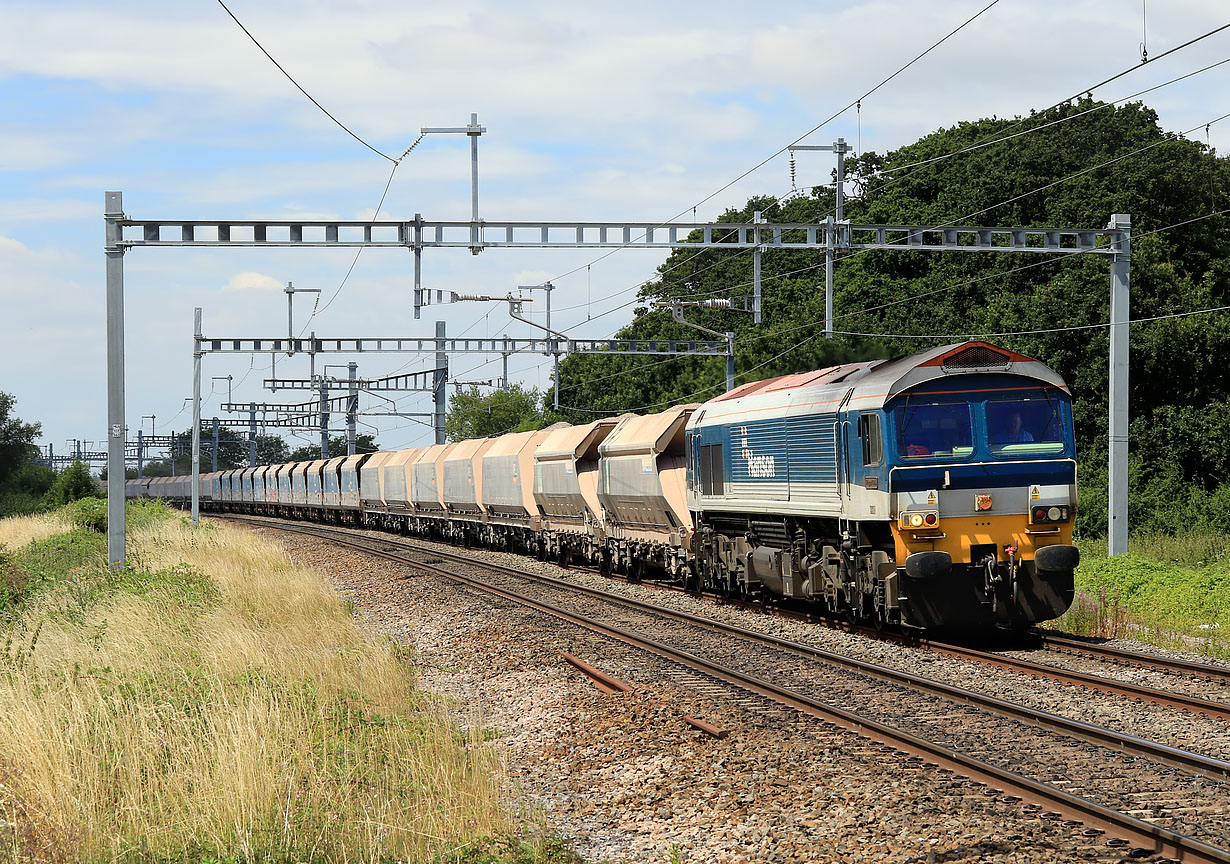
(977, 357)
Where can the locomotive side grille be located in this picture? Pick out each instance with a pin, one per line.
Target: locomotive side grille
(976, 357)
(770, 533)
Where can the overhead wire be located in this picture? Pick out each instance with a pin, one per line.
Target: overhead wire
(1101, 325)
(1066, 257)
(299, 87)
(317, 308)
(1168, 138)
(913, 298)
(858, 102)
(936, 337)
(809, 132)
(985, 142)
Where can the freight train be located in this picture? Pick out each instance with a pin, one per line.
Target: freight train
(933, 491)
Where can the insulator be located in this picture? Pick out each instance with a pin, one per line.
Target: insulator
(793, 187)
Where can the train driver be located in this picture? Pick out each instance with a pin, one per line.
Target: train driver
(1012, 431)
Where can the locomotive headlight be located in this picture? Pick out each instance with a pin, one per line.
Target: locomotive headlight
(920, 520)
(1053, 514)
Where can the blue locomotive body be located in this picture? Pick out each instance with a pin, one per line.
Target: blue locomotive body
(933, 490)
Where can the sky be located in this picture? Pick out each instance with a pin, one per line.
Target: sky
(631, 112)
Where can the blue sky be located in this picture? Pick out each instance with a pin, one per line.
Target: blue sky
(632, 111)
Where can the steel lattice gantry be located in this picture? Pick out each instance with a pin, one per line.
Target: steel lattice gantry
(401, 345)
(417, 234)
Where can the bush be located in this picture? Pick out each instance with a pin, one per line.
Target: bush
(1167, 589)
(32, 479)
(72, 484)
(88, 513)
(21, 504)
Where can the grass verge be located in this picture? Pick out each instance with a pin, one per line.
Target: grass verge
(1172, 591)
(213, 703)
(19, 531)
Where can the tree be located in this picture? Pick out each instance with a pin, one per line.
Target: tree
(271, 450)
(337, 447)
(72, 484)
(1179, 392)
(473, 415)
(16, 440)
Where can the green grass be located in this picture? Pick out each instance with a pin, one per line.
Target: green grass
(1172, 591)
(210, 703)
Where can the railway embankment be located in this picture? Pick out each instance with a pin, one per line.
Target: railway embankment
(214, 702)
(623, 777)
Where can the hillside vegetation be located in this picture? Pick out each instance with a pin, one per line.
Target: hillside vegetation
(1180, 395)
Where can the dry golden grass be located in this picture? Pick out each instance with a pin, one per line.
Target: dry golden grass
(17, 531)
(170, 720)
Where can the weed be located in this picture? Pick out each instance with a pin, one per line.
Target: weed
(510, 850)
(1174, 591)
(89, 513)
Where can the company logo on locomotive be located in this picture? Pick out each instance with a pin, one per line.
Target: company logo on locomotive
(757, 466)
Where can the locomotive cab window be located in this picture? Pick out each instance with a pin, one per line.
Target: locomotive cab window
(869, 432)
(936, 429)
(1025, 426)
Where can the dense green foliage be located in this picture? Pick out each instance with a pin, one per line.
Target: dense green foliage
(1173, 590)
(16, 451)
(473, 415)
(26, 490)
(71, 484)
(1180, 433)
(337, 447)
(26, 487)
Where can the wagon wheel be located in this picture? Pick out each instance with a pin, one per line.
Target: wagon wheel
(636, 570)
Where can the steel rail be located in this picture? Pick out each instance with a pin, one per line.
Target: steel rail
(1195, 705)
(1134, 658)
(1161, 841)
(1174, 757)
(1204, 707)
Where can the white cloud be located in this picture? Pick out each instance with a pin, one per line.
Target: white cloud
(25, 150)
(251, 281)
(619, 111)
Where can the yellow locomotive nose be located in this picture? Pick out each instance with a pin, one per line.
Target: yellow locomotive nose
(960, 535)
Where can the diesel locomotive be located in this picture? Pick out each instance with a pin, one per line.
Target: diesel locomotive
(931, 491)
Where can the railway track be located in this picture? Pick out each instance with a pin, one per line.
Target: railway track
(1198, 673)
(972, 736)
(1136, 659)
